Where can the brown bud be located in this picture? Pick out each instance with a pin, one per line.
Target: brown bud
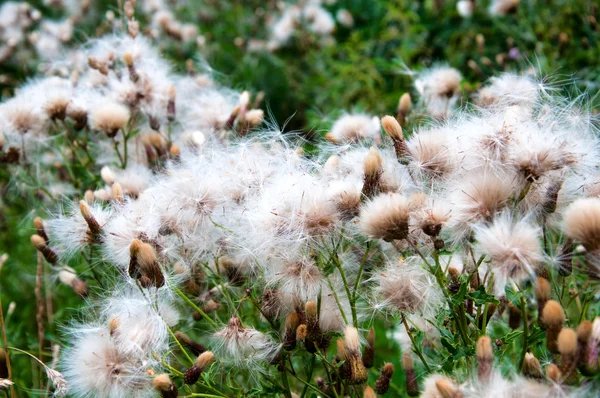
(485, 357)
(292, 321)
(368, 356)
(532, 367)
(554, 317)
(186, 341)
(163, 384)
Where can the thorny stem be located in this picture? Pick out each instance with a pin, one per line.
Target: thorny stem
(525, 331)
(13, 393)
(414, 344)
(194, 306)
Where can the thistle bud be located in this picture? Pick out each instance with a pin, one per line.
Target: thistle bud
(301, 333)
(39, 227)
(403, 108)
(192, 375)
(553, 316)
(292, 321)
(485, 357)
(133, 75)
(41, 245)
(171, 104)
(587, 351)
(68, 277)
(394, 130)
(412, 387)
(358, 372)
(163, 384)
(567, 346)
(368, 356)
(369, 393)
(542, 295)
(514, 316)
(372, 173)
(3, 367)
(186, 341)
(447, 389)
(553, 373)
(94, 228)
(117, 193)
(532, 367)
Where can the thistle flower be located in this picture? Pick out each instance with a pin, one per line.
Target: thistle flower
(243, 347)
(513, 247)
(480, 196)
(94, 367)
(582, 223)
(353, 128)
(109, 118)
(432, 154)
(386, 217)
(406, 288)
(439, 89)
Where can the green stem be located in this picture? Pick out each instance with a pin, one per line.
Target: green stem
(414, 344)
(360, 272)
(309, 375)
(337, 300)
(286, 385)
(347, 288)
(194, 306)
(525, 331)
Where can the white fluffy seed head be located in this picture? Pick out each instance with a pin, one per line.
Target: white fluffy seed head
(512, 246)
(109, 117)
(386, 217)
(582, 222)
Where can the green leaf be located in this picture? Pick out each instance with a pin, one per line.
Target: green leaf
(480, 297)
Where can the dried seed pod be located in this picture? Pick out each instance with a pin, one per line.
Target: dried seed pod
(553, 373)
(369, 393)
(404, 105)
